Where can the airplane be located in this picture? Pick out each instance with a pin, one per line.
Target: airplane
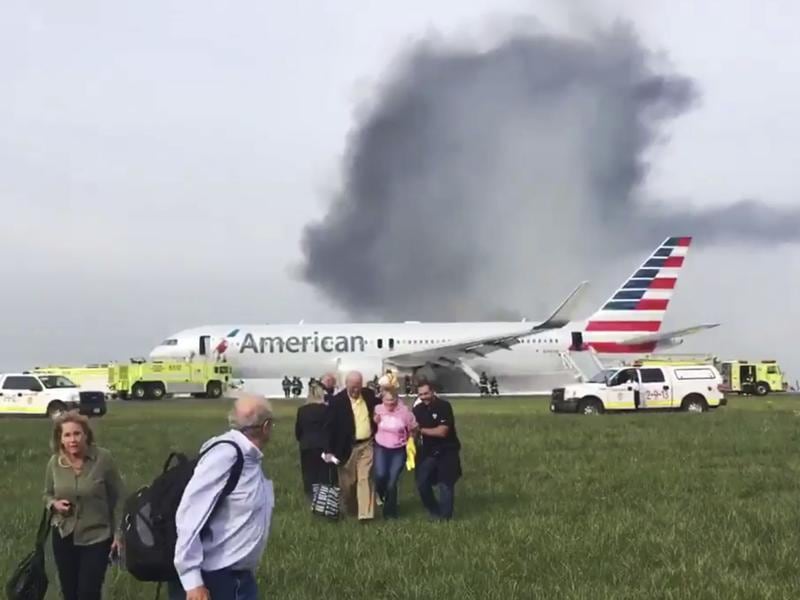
(627, 325)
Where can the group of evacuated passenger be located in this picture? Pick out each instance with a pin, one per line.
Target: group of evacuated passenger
(360, 439)
(351, 436)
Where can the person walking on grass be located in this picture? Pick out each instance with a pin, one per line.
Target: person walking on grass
(216, 555)
(84, 493)
(328, 381)
(311, 436)
(396, 424)
(350, 445)
(438, 461)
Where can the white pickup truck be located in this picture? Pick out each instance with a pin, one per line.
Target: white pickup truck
(689, 388)
(46, 395)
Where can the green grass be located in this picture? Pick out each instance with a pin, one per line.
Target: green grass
(550, 506)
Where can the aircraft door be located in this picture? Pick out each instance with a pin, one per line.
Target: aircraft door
(577, 341)
(622, 390)
(205, 342)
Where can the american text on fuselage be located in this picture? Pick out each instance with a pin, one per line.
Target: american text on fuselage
(277, 344)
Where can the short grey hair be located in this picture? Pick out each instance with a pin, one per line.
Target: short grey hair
(249, 411)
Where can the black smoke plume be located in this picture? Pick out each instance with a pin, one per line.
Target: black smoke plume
(480, 179)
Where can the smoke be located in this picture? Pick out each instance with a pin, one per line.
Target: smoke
(518, 169)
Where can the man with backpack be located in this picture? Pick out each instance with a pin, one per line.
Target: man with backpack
(222, 530)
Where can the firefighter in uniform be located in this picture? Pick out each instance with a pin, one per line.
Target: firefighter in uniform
(297, 387)
(484, 384)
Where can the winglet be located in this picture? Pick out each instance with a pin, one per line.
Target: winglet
(565, 312)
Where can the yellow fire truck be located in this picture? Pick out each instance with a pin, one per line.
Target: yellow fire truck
(152, 380)
(753, 377)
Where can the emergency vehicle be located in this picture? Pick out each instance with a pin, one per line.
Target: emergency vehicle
(89, 377)
(156, 379)
(46, 395)
(146, 380)
(692, 388)
(740, 376)
(676, 360)
(759, 378)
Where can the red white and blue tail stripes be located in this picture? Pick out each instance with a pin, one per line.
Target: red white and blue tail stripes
(639, 306)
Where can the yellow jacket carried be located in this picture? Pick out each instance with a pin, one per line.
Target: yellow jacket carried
(411, 453)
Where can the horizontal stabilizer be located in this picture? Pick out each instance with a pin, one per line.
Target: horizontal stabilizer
(668, 335)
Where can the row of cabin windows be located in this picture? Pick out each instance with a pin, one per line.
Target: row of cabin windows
(390, 342)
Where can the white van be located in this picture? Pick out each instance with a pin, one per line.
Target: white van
(46, 395)
(693, 388)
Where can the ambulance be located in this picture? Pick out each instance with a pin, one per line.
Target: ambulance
(691, 388)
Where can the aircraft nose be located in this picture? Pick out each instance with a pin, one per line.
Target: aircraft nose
(157, 352)
(166, 352)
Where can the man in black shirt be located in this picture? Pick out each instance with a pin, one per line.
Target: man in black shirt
(438, 461)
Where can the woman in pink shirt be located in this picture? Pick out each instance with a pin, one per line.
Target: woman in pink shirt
(396, 424)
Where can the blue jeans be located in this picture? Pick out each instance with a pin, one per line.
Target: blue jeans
(427, 476)
(225, 584)
(389, 463)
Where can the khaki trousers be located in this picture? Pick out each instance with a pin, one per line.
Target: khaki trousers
(355, 482)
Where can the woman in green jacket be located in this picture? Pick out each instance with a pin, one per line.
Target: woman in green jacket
(84, 493)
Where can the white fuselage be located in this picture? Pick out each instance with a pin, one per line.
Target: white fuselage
(307, 350)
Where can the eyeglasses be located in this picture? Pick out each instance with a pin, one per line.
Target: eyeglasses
(270, 422)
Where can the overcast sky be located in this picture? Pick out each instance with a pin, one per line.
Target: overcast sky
(158, 161)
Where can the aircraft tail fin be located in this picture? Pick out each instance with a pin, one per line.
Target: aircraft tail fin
(639, 306)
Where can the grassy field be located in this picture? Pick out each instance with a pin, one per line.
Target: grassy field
(615, 506)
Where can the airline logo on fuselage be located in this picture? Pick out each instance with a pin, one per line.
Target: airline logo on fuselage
(277, 344)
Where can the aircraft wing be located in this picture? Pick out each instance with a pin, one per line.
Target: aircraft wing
(668, 335)
(450, 354)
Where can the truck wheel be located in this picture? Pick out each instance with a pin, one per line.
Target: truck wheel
(157, 391)
(56, 408)
(214, 389)
(590, 406)
(139, 391)
(694, 403)
(762, 388)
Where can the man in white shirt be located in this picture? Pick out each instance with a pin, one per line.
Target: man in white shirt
(216, 555)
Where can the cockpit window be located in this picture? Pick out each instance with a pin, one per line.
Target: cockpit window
(170, 342)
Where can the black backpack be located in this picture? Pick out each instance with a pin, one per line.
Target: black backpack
(29, 580)
(148, 524)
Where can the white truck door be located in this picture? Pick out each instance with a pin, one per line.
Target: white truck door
(655, 390)
(620, 394)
